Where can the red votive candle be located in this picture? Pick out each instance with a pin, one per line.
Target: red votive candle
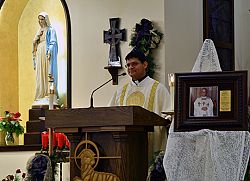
(54, 140)
(45, 140)
(60, 139)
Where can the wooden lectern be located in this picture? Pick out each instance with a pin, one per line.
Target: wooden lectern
(120, 133)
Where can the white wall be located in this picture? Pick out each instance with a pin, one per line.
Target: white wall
(184, 34)
(10, 161)
(89, 19)
(182, 28)
(242, 35)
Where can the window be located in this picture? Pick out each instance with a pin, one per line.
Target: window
(218, 25)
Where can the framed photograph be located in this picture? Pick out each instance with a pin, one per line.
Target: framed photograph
(211, 100)
(203, 101)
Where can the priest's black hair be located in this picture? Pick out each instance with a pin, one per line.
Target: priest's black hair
(136, 54)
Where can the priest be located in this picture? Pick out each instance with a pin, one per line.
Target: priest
(203, 105)
(145, 92)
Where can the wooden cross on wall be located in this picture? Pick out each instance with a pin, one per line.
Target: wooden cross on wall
(113, 37)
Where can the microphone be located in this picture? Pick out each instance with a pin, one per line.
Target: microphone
(91, 97)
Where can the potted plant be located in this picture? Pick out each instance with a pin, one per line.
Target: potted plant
(10, 123)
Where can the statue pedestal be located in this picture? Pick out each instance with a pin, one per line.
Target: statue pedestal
(44, 103)
(35, 126)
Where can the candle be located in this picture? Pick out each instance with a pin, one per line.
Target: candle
(54, 142)
(171, 88)
(51, 92)
(45, 140)
(60, 139)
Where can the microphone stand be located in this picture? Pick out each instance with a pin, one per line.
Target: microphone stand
(91, 97)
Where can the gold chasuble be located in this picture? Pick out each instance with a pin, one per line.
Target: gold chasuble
(151, 95)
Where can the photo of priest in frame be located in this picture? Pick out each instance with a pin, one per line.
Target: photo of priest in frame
(203, 101)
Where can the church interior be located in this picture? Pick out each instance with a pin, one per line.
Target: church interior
(83, 55)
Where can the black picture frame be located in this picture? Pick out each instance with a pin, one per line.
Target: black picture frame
(228, 92)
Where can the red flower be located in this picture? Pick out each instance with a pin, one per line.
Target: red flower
(18, 171)
(23, 175)
(10, 177)
(17, 115)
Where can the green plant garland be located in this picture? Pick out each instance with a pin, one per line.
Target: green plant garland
(145, 38)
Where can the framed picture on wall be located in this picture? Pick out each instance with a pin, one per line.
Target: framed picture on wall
(211, 100)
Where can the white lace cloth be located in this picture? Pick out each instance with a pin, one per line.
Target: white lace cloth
(207, 60)
(207, 155)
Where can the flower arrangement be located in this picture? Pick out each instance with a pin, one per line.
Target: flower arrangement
(145, 38)
(19, 176)
(11, 123)
(45, 165)
(156, 171)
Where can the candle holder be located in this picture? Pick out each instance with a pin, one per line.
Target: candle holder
(171, 89)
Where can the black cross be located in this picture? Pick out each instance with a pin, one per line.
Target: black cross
(113, 37)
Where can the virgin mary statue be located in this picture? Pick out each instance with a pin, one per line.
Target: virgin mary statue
(45, 49)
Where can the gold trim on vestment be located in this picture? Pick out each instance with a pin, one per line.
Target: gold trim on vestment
(152, 96)
(123, 94)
